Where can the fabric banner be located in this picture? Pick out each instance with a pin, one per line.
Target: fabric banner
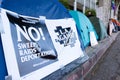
(34, 49)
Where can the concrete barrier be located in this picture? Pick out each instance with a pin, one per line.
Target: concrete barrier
(77, 70)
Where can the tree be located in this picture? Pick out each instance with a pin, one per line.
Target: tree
(65, 3)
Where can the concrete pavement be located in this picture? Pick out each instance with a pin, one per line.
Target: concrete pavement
(108, 68)
(77, 70)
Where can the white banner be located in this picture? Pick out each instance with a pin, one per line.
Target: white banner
(28, 48)
(65, 38)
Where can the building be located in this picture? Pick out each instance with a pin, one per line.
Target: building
(104, 8)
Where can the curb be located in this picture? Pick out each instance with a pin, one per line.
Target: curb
(94, 53)
(77, 70)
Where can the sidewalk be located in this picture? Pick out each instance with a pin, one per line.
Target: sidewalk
(76, 70)
(97, 52)
(108, 67)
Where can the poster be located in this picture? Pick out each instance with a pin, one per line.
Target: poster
(65, 38)
(34, 49)
(31, 43)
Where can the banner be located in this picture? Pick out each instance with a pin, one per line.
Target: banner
(30, 43)
(34, 49)
(65, 38)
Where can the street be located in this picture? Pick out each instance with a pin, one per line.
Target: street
(108, 68)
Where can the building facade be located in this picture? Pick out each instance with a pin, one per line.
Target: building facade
(103, 8)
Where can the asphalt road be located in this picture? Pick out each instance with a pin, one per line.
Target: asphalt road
(108, 68)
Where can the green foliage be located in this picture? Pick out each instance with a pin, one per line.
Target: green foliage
(88, 11)
(97, 3)
(65, 3)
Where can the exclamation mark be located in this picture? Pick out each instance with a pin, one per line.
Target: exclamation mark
(41, 32)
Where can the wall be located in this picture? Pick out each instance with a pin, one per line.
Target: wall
(104, 11)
